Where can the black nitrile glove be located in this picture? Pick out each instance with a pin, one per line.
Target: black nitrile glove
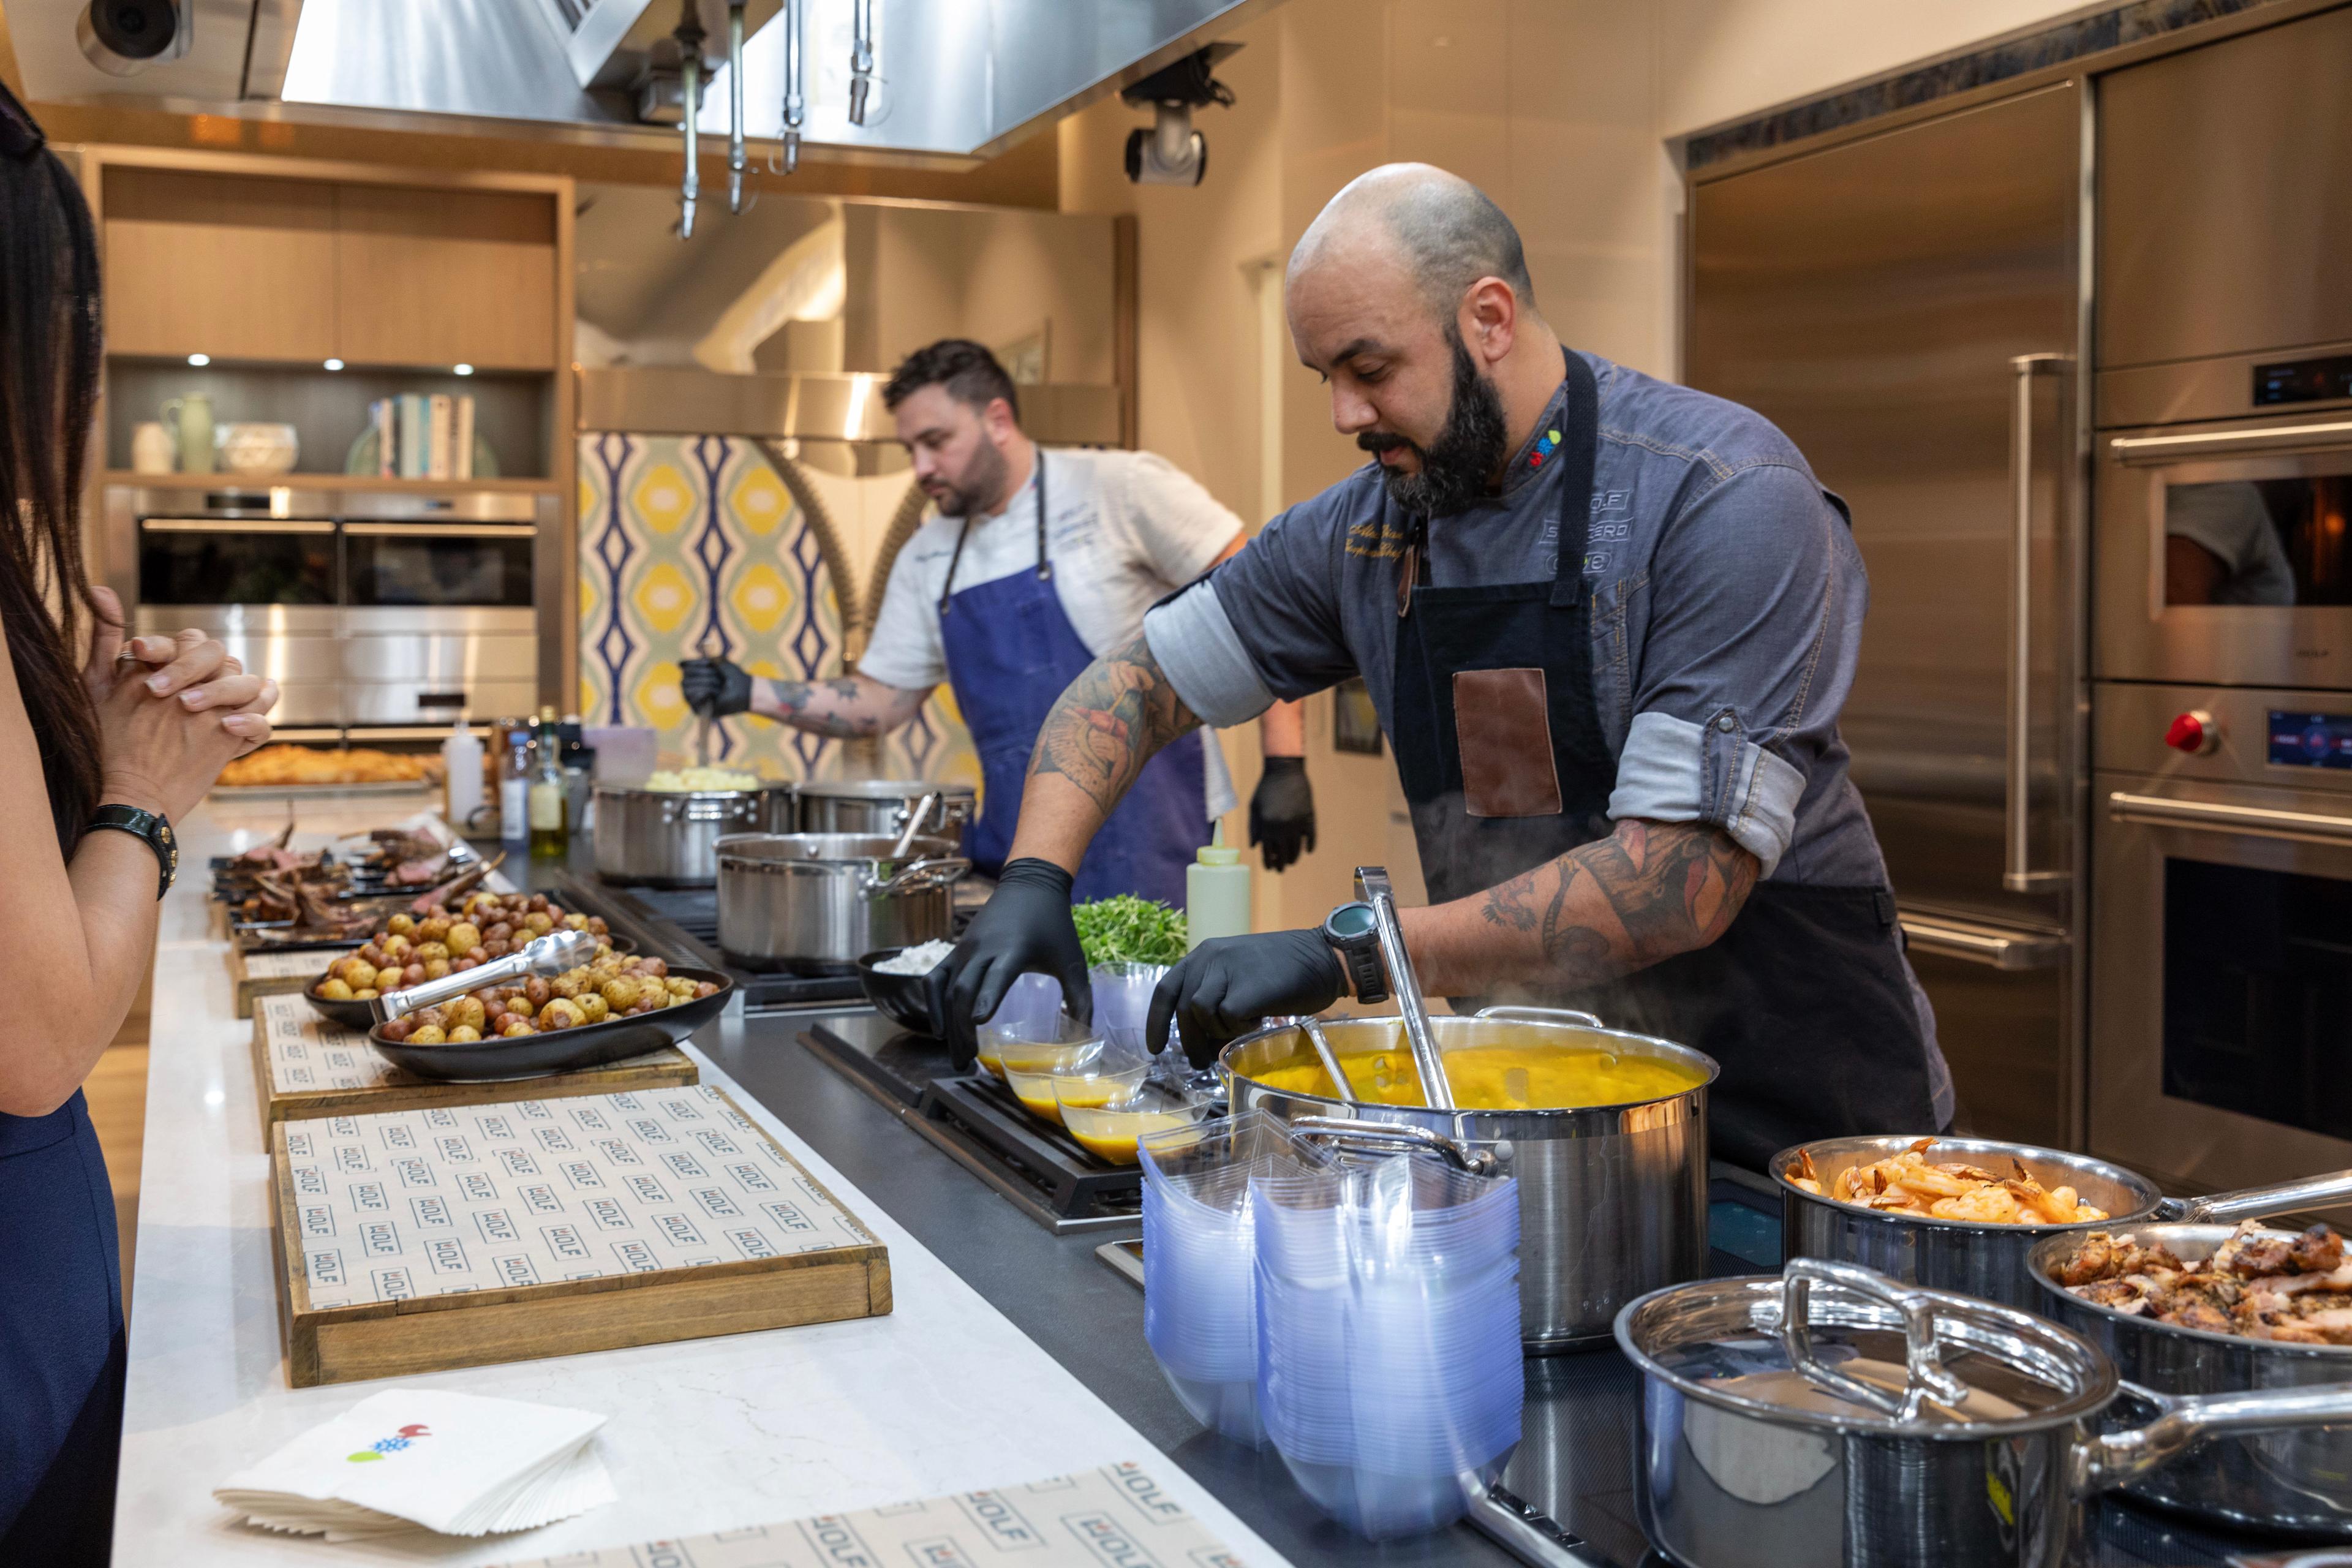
(1226, 985)
(715, 687)
(1025, 928)
(1282, 812)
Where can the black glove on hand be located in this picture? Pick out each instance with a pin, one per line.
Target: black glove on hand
(1025, 928)
(1282, 812)
(715, 687)
(1225, 985)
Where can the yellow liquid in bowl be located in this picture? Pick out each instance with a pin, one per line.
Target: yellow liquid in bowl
(1494, 1078)
(1112, 1134)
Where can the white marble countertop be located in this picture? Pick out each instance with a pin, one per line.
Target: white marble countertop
(944, 1395)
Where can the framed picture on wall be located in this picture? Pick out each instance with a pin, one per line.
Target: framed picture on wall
(1025, 357)
(1354, 723)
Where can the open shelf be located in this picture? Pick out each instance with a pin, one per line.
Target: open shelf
(337, 483)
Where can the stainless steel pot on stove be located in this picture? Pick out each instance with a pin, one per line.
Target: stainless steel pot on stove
(1991, 1260)
(815, 902)
(1832, 1417)
(882, 807)
(669, 839)
(2299, 1482)
(1612, 1199)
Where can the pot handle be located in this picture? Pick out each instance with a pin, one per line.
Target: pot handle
(1521, 1012)
(689, 809)
(2119, 1457)
(2253, 1203)
(920, 876)
(1926, 1377)
(1389, 1138)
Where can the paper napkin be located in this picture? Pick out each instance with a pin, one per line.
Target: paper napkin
(457, 1463)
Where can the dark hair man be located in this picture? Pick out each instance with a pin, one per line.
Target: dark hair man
(1608, 624)
(1035, 566)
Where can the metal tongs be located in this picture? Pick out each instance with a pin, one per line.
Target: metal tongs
(914, 824)
(550, 955)
(1373, 888)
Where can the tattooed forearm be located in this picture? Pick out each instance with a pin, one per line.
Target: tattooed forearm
(1113, 719)
(1647, 892)
(845, 708)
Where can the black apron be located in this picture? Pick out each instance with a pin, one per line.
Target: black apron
(1804, 999)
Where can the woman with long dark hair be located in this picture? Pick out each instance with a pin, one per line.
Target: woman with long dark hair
(119, 739)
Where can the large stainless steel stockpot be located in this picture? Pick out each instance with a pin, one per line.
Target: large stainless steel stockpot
(1612, 1199)
(2298, 1481)
(882, 806)
(815, 902)
(1991, 1260)
(1832, 1417)
(669, 839)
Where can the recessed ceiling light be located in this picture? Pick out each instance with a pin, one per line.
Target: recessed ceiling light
(200, 360)
(334, 364)
(463, 369)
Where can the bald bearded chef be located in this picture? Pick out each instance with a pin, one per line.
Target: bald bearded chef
(1608, 624)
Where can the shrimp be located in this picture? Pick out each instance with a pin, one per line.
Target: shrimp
(1984, 1204)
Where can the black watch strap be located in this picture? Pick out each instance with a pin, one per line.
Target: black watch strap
(152, 827)
(1351, 931)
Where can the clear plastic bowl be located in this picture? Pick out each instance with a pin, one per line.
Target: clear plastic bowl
(1108, 1113)
(1093, 1075)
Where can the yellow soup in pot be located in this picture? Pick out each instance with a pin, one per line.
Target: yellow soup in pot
(1506, 1076)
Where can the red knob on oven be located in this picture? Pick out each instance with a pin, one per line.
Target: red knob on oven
(2195, 731)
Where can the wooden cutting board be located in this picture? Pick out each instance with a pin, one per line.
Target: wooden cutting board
(258, 974)
(417, 1241)
(305, 1066)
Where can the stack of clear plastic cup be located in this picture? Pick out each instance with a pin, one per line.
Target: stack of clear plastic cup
(1389, 1376)
(1200, 1274)
(1123, 999)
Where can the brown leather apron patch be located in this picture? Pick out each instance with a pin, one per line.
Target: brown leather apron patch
(1502, 721)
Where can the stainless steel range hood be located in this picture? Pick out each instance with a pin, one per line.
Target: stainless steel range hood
(959, 79)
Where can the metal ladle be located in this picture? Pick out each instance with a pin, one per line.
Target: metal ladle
(1373, 888)
(1312, 1027)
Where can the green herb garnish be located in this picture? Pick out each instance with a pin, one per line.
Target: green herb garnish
(1128, 930)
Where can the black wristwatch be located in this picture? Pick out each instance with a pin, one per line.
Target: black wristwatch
(1350, 931)
(152, 827)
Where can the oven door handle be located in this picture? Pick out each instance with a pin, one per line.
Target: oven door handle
(440, 530)
(2270, 822)
(2018, 873)
(2148, 451)
(231, 525)
(1996, 947)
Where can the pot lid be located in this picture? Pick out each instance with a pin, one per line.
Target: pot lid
(1836, 1345)
(882, 789)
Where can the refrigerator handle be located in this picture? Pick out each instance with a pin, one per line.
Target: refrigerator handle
(2017, 874)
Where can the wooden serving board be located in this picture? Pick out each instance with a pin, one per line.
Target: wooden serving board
(259, 974)
(307, 1066)
(417, 1241)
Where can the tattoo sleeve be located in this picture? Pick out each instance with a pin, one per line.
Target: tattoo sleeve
(845, 708)
(1650, 890)
(1113, 719)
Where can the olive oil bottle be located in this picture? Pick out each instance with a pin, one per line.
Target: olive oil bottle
(550, 835)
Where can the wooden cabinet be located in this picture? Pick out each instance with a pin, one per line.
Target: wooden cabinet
(220, 265)
(256, 267)
(438, 278)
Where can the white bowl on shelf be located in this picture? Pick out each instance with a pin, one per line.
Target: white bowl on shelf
(258, 450)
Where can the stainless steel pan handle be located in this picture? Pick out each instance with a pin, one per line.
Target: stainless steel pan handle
(1389, 1138)
(2118, 1457)
(2148, 451)
(2253, 1203)
(1924, 1377)
(2017, 874)
(920, 876)
(1525, 1014)
(2268, 822)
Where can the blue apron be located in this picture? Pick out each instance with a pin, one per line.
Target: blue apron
(1010, 653)
(62, 1343)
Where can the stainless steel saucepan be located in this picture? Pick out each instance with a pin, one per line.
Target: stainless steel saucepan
(1833, 1417)
(817, 902)
(669, 839)
(2298, 1481)
(1991, 1260)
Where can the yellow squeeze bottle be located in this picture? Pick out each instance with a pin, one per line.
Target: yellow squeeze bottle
(1216, 893)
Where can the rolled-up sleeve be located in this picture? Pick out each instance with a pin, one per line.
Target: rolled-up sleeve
(1755, 598)
(1262, 627)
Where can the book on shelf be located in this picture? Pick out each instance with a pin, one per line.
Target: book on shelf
(414, 434)
(461, 447)
(424, 436)
(440, 432)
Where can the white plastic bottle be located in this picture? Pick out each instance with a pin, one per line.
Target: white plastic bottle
(461, 775)
(1216, 893)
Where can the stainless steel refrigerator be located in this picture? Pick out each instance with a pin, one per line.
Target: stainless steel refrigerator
(1907, 304)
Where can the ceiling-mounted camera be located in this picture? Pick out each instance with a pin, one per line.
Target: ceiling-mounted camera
(1171, 153)
(123, 37)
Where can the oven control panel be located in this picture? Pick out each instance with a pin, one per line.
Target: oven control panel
(2307, 740)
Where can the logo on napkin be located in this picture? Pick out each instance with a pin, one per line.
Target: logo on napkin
(392, 1445)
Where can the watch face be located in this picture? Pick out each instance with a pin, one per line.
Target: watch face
(1351, 921)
